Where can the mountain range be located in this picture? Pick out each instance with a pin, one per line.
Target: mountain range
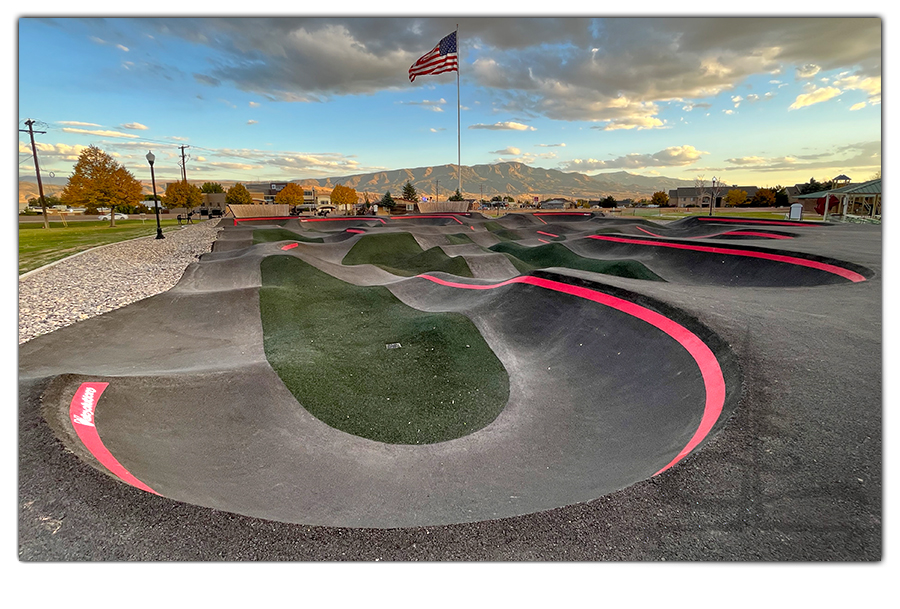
(520, 181)
(517, 180)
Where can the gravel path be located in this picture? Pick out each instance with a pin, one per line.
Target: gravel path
(107, 277)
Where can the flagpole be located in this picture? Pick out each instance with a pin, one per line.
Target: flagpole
(458, 154)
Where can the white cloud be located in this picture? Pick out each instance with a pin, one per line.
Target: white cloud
(135, 126)
(815, 96)
(674, 156)
(807, 71)
(858, 106)
(99, 132)
(505, 126)
(508, 151)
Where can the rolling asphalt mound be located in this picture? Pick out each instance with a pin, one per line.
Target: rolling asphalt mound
(195, 412)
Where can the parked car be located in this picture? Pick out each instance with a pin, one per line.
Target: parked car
(118, 217)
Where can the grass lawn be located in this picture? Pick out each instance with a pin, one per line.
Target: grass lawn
(327, 340)
(527, 259)
(39, 246)
(400, 254)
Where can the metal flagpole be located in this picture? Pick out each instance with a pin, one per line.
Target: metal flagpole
(458, 154)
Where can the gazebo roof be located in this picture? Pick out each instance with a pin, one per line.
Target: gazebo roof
(872, 187)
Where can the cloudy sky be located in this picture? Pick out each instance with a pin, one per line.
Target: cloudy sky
(752, 100)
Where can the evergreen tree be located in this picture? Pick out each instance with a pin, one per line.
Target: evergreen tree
(409, 192)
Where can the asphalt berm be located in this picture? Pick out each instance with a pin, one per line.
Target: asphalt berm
(729, 409)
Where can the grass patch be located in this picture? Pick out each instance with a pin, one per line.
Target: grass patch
(502, 233)
(39, 246)
(400, 254)
(459, 239)
(270, 235)
(554, 254)
(327, 340)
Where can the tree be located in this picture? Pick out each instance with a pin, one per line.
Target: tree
(659, 198)
(98, 181)
(344, 195)
(456, 196)
(409, 192)
(608, 202)
(764, 197)
(387, 201)
(735, 197)
(211, 187)
(815, 186)
(781, 196)
(292, 195)
(183, 194)
(238, 195)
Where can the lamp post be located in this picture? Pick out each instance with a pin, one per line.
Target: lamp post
(715, 193)
(150, 159)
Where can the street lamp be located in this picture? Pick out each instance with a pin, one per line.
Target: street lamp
(150, 159)
(715, 193)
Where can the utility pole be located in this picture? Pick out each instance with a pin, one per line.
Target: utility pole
(436, 182)
(37, 169)
(183, 165)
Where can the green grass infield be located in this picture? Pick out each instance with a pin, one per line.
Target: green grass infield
(329, 342)
(527, 259)
(400, 254)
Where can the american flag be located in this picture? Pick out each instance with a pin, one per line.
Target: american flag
(440, 59)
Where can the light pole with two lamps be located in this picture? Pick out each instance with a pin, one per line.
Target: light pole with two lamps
(150, 159)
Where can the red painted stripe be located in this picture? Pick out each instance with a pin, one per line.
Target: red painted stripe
(342, 219)
(750, 233)
(357, 231)
(539, 218)
(81, 413)
(543, 241)
(442, 216)
(540, 232)
(289, 246)
(711, 372)
(822, 266)
(742, 221)
(732, 232)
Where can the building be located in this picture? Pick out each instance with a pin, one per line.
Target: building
(691, 196)
(264, 193)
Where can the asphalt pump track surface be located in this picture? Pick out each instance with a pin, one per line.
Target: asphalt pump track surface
(614, 382)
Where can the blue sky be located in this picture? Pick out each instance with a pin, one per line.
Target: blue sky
(751, 100)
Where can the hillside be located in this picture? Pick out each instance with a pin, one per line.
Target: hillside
(514, 179)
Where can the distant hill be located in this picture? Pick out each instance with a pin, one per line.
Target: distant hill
(514, 179)
(517, 180)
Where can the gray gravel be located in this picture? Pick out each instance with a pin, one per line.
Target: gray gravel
(108, 277)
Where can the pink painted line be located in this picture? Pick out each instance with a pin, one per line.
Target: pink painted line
(81, 413)
(750, 233)
(364, 219)
(357, 231)
(742, 221)
(822, 266)
(289, 246)
(543, 240)
(732, 232)
(711, 372)
(539, 218)
(540, 232)
(441, 216)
